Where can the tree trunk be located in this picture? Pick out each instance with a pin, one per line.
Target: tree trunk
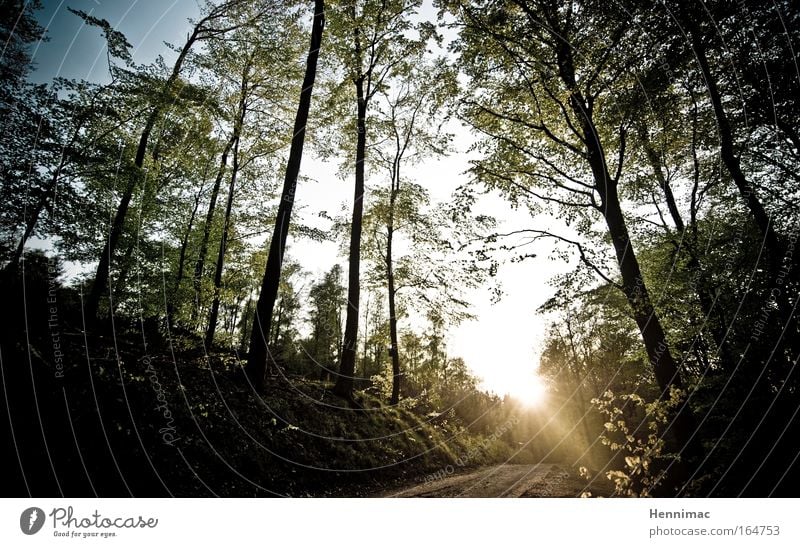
(775, 248)
(633, 284)
(213, 315)
(182, 257)
(365, 354)
(655, 341)
(244, 338)
(257, 356)
(344, 381)
(731, 160)
(394, 352)
(704, 295)
(106, 256)
(278, 325)
(212, 205)
(658, 170)
(117, 290)
(238, 124)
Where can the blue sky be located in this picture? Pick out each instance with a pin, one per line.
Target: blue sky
(74, 50)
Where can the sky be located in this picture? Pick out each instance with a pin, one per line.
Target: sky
(501, 345)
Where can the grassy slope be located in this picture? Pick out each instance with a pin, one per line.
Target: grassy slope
(298, 440)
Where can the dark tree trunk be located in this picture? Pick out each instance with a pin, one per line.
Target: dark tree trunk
(117, 290)
(658, 170)
(365, 354)
(213, 315)
(732, 162)
(395, 350)
(257, 355)
(775, 248)
(212, 205)
(106, 256)
(702, 285)
(344, 381)
(238, 125)
(182, 257)
(245, 326)
(633, 284)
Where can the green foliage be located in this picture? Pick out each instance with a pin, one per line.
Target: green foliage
(118, 45)
(576, 108)
(634, 431)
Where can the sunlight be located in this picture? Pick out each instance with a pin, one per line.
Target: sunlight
(529, 390)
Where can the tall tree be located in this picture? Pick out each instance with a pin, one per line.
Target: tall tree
(257, 355)
(202, 254)
(241, 113)
(375, 43)
(409, 111)
(558, 97)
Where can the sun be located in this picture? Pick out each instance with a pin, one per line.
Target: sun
(530, 390)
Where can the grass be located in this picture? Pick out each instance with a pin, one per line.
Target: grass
(154, 424)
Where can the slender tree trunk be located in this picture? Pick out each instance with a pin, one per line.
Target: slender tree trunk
(658, 170)
(182, 256)
(694, 264)
(395, 350)
(213, 315)
(278, 325)
(106, 256)
(365, 354)
(324, 350)
(344, 381)
(257, 355)
(212, 205)
(223, 244)
(775, 246)
(731, 160)
(233, 316)
(124, 269)
(245, 330)
(339, 333)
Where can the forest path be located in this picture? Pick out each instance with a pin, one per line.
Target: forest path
(542, 480)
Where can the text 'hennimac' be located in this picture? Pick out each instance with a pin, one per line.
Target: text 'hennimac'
(656, 514)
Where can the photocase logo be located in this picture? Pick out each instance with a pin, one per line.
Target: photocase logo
(31, 520)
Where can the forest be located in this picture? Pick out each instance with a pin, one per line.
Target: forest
(189, 310)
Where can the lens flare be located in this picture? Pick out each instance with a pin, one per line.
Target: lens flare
(529, 390)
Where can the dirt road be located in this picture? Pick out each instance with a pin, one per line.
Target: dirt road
(503, 481)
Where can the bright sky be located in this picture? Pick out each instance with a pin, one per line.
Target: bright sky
(501, 346)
